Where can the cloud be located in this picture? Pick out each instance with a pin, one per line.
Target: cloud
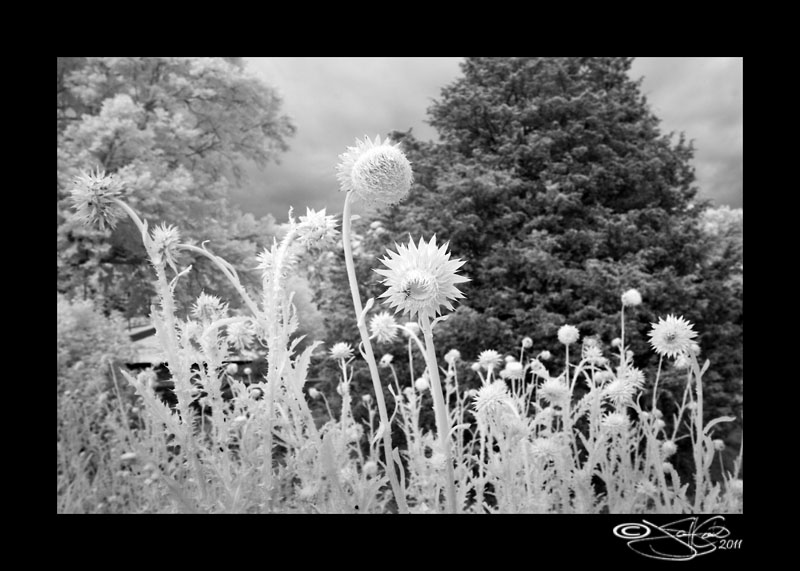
(703, 98)
(334, 100)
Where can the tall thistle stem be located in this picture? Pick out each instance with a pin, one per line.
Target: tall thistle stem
(440, 410)
(399, 493)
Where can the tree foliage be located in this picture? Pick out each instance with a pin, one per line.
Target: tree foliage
(176, 132)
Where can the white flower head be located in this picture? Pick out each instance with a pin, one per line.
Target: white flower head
(422, 384)
(672, 336)
(527, 343)
(490, 396)
(93, 198)
(546, 449)
(544, 355)
(386, 360)
(370, 468)
(568, 334)
(383, 327)
(452, 356)
(316, 229)
(514, 370)
(554, 391)
(489, 359)
(421, 279)
(631, 298)
(232, 369)
(378, 173)
(615, 421)
(165, 242)
(314, 393)
(668, 448)
(209, 308)
(593, 355)
(240, 334)
(341, 350)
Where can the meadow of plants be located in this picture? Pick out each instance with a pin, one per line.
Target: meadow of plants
(517, 429)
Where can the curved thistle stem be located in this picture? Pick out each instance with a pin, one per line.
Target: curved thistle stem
(398, 491)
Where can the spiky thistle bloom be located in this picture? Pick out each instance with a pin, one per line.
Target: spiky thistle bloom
(452, 356)
(386, 360)
(672, 336)
(378, 173)
(240, 334)
(422, 384)
(421, 279)
(315, 228)
(546, 449)
(92, 197)
(209, 308)
(383, 327)
(568, 334)
(514, 370)
(165, 242)
(615, 421)
(554, 391)
(489, 359)
(631, 298)
(527, 343)
(544, 355)
(341, 350)
(593, 355)
(668, 448)
(621, 390)
(490, 396)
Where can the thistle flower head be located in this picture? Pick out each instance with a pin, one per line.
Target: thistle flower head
(489, 359)
(668, 448)
(514, 370)
(452, 356)
(315, 228)
(554, 391)
(386, 360)
(527, 343)
(546, 449)
(209, 308)
(165, 243)
(370, 468)
(314, 393)
(378, 173)
(93, 197)
(544, 355)
(593, 355)
(422, 384)
(615, 421)
(341, 350)
(631, 298)
(490, 396)
(568, 334)
(383, 327)
(232, 369)
(421, 279)
(240, 334)
(672, 336)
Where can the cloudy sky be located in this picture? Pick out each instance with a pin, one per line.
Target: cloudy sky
(334, 100)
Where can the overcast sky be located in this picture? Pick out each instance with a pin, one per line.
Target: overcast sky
(334, 100)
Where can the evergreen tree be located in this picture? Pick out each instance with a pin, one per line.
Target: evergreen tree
(553, 179)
